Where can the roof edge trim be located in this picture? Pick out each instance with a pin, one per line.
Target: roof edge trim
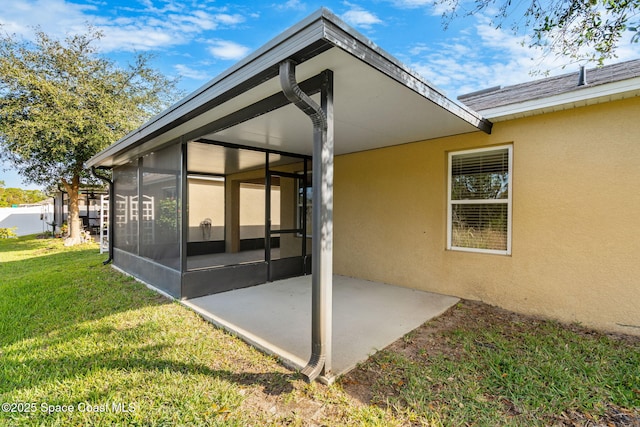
(204, 93)
(338, 32)
(313, 35)
(588, 96)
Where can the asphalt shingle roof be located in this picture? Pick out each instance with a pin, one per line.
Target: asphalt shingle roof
(551, 86)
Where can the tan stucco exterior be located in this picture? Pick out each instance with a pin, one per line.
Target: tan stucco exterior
(576, 207)
(206, 202)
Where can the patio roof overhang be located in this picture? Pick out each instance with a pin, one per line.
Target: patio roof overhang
(378, 102)
(356, 97)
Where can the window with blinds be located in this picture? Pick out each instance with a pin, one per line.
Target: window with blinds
(479, 200)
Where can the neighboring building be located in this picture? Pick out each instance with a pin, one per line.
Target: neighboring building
(529, 202)
(88, 203)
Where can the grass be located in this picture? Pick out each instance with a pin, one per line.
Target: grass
(77, 334)
(499, 368)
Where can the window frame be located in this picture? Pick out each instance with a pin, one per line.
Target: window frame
(508, 201)
(309, 184)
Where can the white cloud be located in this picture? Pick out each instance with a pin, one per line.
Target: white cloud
(228, 50)
(358, 17)
(151, 32)
(412, 4)
(432, 7)
(291, 5)
(190, 73)
(194, 22)
(226, 19)
(169, 6)
(146, 28)
(485, 57)
(54, 17)
(131, 38)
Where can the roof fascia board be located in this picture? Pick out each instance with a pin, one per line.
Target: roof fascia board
(348, 39)
(311, 86)
(585, 96)
(317, 33)
(255, 69)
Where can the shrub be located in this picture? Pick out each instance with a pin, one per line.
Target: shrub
(8, 233)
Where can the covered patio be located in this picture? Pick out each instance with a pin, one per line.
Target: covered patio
(276, 317)
(233, 186)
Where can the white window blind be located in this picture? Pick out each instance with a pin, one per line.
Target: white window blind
(479, 201)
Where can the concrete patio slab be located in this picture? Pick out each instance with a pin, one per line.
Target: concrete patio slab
(276, 317)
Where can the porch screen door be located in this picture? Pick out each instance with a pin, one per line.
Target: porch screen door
(287, 242)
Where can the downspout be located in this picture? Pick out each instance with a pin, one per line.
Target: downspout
(111, 212)
(321, 279)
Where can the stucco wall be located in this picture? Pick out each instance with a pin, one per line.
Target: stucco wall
(206, 201)
(576, 202)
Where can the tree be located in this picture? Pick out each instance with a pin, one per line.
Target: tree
(18, 196)
(580, 29)
(61, 103)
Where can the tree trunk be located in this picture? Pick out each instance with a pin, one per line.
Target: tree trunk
(73, 191)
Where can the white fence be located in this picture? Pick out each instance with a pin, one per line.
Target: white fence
(28, 220)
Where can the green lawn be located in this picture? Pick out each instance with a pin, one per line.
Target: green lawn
(485, 366)
(77, 335)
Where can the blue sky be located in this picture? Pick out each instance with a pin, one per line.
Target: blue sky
(198, 39)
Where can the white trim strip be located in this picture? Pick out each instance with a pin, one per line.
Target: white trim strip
(587, 96)
(479, 201)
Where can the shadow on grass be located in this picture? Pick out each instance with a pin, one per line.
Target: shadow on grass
(41, 294)
(49, 306)
(24, 243)
(43, 371)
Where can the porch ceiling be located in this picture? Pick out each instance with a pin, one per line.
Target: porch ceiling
(218, 160)
(377, 101)
(371, 111)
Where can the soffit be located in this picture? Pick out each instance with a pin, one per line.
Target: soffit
(371, 111)
(377, 101)
(211, 159)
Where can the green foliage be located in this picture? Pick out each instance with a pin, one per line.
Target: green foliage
(18, 196)
(168, 218)
(61, 103)
(575, 28)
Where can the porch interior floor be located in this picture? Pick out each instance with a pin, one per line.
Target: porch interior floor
(276, 317)
(229, 258)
